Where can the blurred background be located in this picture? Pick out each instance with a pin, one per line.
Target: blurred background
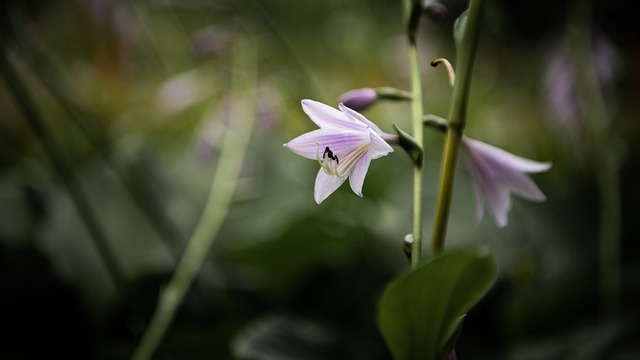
(111, 117)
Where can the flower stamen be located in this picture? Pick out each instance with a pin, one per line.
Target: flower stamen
(329, 161)
(349, 161)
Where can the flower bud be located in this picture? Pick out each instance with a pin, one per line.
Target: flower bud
(410, 145)
(407, 245)
(435, 10)
(359, 99)
(389, 93)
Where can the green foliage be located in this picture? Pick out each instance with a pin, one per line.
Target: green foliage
(422, 310)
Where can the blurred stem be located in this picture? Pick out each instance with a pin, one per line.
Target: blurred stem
(64, 172)
(416, 120)
(605, 166)
(223, 184)
(457, 119)
(44, 65)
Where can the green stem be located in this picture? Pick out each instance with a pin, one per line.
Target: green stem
(416, 120)
(416, 116)
(457, 119)
(223, 185)
(64, 172)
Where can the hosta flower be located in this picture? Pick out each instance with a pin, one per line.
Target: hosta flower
(344, 146)
(496, 174)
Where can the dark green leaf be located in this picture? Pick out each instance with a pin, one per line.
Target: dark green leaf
(420, 312)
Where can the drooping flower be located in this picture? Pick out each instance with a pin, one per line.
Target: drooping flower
(496, 174)
(344, 146)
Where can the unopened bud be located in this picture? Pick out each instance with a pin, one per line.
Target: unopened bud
(431, 8)
(407, 245)
(359, 99)
(410, 145)
(435, 10)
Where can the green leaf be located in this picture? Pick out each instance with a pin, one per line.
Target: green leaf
(422, 310)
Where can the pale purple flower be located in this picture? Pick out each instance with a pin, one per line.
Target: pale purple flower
(497, 173)
(359, 99)
(344, 146)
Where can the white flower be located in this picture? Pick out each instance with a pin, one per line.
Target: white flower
(344, 146)
(497, 173)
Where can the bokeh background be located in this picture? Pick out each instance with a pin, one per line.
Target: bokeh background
(134, 97)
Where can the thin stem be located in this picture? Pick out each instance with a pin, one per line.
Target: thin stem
(64, 172)
(416, 119)
(416, 116)
(457, 119)
(223, 185)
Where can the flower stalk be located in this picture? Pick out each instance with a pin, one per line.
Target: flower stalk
(467, 29)
(234, 145)
(412, 13)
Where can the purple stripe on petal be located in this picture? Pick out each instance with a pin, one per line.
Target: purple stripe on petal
(326, 185)
(356, 179)
(312, 144)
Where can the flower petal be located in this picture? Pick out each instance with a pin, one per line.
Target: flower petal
(496, 173)
(510, 169)
(489, 187)
(506, 158)
(312, 144)
(378, 147)
(356, 178)
(522, 185)
(326, 185)
(327, 117)
(478, 182)
(498, 200)
(359, 117)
